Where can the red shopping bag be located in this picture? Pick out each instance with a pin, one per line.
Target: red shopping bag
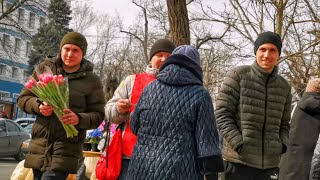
(109, 164)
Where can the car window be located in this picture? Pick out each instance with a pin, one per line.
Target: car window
(3, 126)
(12, 127)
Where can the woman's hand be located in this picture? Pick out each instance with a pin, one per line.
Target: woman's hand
(70, 117)
(46, 109)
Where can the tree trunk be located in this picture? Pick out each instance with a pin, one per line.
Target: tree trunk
(179, 22)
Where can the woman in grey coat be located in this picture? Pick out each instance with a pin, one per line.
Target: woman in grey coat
(175, 124)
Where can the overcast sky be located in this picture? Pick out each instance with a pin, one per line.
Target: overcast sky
(125, 8)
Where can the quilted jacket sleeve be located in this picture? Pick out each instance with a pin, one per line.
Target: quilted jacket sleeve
(122, 92)
(226, 106)
(95, 102)
(284, 129)
(207, 138)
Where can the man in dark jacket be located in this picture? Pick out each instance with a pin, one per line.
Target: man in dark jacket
(304, 133)
(51, 154)
(253, 113)
(175, 124)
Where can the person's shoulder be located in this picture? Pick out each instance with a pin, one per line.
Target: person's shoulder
(127, 81)
(283, 81)
(49, 61)
(239, 70)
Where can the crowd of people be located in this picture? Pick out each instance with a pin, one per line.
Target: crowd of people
(171, 129)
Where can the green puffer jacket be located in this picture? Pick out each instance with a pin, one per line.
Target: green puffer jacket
(253, 113)
(50, 148)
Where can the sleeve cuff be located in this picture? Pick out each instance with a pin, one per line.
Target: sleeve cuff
(210, 164)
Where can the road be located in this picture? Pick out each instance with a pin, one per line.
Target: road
(7, 165)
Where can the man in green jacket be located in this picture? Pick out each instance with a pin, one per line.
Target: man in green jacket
(52, 155)
(253, 113)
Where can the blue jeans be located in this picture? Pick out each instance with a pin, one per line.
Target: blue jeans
(124, 169)
(49, 175)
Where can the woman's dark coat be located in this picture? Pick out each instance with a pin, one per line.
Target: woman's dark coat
(50, 149)
(175, 124)
(303, 136)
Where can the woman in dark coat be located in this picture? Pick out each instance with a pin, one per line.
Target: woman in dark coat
(175, 124)
(303, 135)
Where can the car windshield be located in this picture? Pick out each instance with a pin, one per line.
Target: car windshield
(29, 128)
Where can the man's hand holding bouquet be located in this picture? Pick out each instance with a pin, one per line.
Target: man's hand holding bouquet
(53, 93)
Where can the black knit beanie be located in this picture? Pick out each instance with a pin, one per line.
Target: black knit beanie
(76, 39)
(162, 45)
(268, 37)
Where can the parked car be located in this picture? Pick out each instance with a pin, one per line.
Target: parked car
(28, 128)
(23, 122)
(12, 136)
(25, 146)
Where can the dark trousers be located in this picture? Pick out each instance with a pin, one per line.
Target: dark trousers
(124, 169)
(49, 175)
(235, 171)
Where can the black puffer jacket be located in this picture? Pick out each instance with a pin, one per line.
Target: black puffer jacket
(50, 148)
(175, 124)
(303, 136)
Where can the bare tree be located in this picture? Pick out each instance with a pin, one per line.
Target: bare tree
(83, 16)
(144, 39)
(296, 24)
(179, 22)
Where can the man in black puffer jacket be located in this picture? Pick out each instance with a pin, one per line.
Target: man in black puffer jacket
(253, 113)
(175, 124)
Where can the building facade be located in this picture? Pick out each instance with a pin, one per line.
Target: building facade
(15, 49)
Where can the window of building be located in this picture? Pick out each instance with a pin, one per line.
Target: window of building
(6, 40)
(42, 21)
(32, 20)
(20, 16)
(18, 46)
(28, 49)
(4, 94)
(3, 69)
(25, 75)
(15, 72)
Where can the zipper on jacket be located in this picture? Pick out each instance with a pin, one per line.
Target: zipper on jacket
(265, 118)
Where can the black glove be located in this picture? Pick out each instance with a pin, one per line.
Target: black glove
(212, 176)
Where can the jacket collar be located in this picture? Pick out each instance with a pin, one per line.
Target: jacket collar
(262, 73)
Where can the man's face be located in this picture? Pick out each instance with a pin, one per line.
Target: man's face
(267, 57)
(158, 59)
(71, 56)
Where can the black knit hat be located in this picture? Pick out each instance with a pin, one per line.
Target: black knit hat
(162, 45)
(268, 37)
(76, 39)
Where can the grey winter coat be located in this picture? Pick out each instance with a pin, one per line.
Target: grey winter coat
(50, 149)
(175, 125)
(253, 113)
(304, 133)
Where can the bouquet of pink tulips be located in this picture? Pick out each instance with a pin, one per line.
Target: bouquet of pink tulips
(54, 90)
